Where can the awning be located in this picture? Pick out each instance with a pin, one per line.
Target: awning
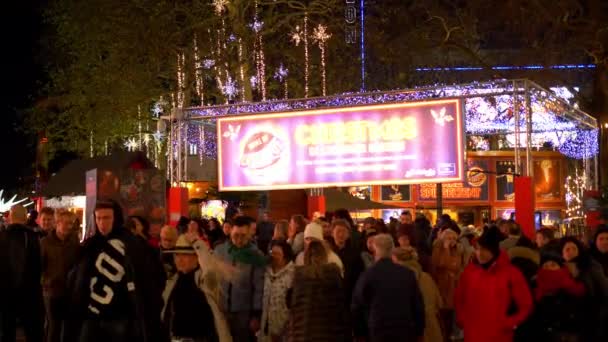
(70, 181)
(336, 199)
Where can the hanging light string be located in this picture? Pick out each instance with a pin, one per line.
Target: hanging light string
(181, 78)
(320, 36)
(242, 69)
(256, 26)
(306, 66)
(281, 75)
(198, 73)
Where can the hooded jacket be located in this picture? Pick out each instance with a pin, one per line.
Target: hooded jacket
(144, 275)
(484, 297)
(276, 314)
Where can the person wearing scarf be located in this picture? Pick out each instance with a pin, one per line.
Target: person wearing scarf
(242, 293)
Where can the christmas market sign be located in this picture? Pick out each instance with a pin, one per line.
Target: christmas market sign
(474, 188)
(405, 143)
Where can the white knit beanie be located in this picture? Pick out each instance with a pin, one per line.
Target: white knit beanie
(313, 230)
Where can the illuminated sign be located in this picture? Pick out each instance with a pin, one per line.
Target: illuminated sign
(406, 143)
(475, 188)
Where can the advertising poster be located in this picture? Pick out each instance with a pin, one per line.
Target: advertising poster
(360, 192)
(547, 181)
(505, 180)
(395, 193)
(505, 214)
(406, 143)
(475, 188)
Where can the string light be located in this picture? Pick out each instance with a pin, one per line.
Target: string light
(131, 144)
(219, 6)
(298, 36)
(230, 89)
(254, 81)
(575, 190)
(260, 58)
(583, 144)
(242, 70)
(320, 35)
(511, 67)
(281, 75)
(198, 73)
(181, 77)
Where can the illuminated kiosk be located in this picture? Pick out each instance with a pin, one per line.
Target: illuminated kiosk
(499, 118)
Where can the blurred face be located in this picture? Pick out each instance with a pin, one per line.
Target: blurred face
(265, 217)
(240, 236)
(104, 218)
(277, 256)
(292, 228)
(449, 240)
(370, 244)
(253, 228)
(602, 243)
(405, 219)
(326, 229)
(307, 241)
(551, 265)
(278, 234)
(227, 228)
(63, 227)
(404, 241)
(167, 239)
(193, 227)
(504, 229)
(541, 240)
(570, 251)
(340, 235)
(186, 263)
(46, 222)
(483, 255)
(139, 228)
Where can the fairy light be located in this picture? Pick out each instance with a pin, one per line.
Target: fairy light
(131, 144)
(256, 26)
(320, 36)
(201, 139)
(306, 66)
(91, 145)
(198, 73)
(254, 81)
(219, 6)
(281, 75)
(181, 76)
(242, 70)
(575, 190)
(230, 89)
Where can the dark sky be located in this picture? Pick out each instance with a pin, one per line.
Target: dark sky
(21, 79)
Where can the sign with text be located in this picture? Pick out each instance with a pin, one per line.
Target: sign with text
(475, 188)
(406, 143)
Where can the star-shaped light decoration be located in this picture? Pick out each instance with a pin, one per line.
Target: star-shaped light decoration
(208, 63)
(6, 205)
(297, 36)
(256, 25)
(219, 6)
(231, 38)
(159, 107)
(146, 139)
(320, 34)
(131, 144)
(230, 88)
(281, 73)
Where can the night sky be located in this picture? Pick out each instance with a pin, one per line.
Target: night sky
(21, 81)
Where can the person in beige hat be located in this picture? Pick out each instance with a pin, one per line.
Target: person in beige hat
(314, 232)
(191, 297)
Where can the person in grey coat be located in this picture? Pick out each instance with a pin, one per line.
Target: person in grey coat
(243, 293)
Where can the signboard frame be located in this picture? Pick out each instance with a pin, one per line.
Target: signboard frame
(459, 142)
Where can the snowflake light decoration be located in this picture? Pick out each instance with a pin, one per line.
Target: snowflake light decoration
(297, 36)
(231, 38)
(256, 25)
(320, 34)
(254, 81)
(131, 144)
(7, 205)
(230, 88)
(281, 73)
(158, 136)
(208, 63)
(219, 6)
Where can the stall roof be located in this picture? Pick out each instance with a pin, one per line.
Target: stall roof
(336, 199)
(70, 180)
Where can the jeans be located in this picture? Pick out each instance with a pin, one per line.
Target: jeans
(239, 326)
(55, 314)
(105, 331)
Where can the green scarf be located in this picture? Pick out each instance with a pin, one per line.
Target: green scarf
(247, 256)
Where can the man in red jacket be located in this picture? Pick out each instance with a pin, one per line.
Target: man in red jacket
(492, 297)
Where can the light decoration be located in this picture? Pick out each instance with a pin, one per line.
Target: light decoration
(7, 205)
(242, 70)
(181, 79)
(320, 36)
(254, 81)
(230, 89)
(301, 35)
(260, 58)
(575, 190)
(208, 63)
(204, 139)
(198, 73)
(219, 6)
(158, 136)
(486, 112)
(281, 75)
(159, 107)
(511, 67)
(581, 144)
(131, 144)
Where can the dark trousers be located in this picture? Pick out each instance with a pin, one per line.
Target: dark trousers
(105, 331)
(30, 316)
(56, 309)
(239, 326)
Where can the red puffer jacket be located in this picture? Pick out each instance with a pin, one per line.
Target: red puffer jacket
(483, 298)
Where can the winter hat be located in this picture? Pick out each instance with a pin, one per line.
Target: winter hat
(469, 231)
(551, 255)
(313, 230)
(490, 240)
(404, 254)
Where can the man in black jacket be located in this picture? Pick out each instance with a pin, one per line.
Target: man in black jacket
(116, 287)
(389, 294)
(20, 272)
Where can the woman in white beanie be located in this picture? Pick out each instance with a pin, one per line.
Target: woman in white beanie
(314, 232)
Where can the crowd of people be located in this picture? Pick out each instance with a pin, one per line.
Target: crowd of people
(320, 279)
